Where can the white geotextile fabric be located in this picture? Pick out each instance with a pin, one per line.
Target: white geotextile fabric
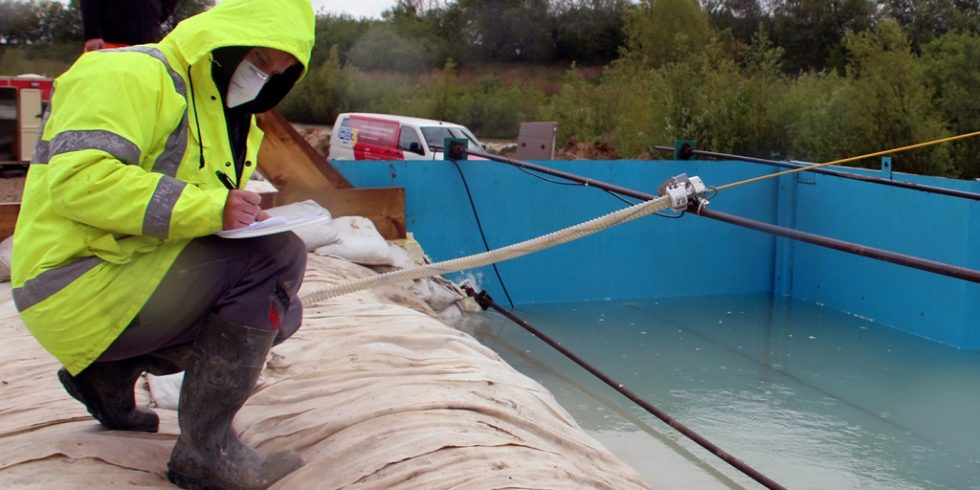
(372, 393)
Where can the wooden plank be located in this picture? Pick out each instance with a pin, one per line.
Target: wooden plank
(385, 206)
(289, 162)
(8, 218)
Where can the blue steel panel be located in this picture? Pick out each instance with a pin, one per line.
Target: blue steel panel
(901, 220)
(650, 257)
(693, 256)
(971, 291)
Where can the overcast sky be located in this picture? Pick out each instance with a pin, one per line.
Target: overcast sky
(355, 8)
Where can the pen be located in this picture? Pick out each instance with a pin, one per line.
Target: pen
(223, 177)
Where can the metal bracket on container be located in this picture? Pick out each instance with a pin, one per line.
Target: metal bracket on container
(682, 191)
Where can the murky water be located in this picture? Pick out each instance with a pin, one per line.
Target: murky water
(810, 397)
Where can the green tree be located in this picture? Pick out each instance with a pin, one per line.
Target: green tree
(894, 100)
(445, 102)
(17, 21)
(503, 30)
(493, 110)
(822, 118)
(39, 21)
(811, 31)
(742, 17)
(951, 67)
(659, 32)
(924, 20)
(745, 104)
(57, 22)
(589, 31)
(579, 114)
(318, 97)
(640, 107)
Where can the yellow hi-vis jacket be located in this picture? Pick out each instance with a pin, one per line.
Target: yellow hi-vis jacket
(116, 188)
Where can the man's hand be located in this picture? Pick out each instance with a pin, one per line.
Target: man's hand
(241, 209)
(94, 44)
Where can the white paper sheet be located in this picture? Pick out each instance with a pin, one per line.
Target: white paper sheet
(271, 226)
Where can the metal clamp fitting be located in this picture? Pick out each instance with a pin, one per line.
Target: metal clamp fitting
(682, 190)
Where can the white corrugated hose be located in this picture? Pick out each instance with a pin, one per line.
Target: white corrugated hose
(499, 255)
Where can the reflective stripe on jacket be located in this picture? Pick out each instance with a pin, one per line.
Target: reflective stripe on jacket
(117, 189)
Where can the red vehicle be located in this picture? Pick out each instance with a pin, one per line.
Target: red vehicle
(22, 101)
(43, 84)
(365, 136)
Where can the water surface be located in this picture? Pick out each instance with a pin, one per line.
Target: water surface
(810, 397)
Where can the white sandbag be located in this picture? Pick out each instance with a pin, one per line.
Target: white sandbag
(451, 315)
(400, 258)
(314, 235)
(165, 390)
(6, 251)
(437, 295)
(359, 242)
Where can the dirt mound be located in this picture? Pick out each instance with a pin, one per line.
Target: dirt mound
(586, 150)
(317, 136)
(574, 150)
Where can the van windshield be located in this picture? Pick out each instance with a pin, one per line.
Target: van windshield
(436, 135)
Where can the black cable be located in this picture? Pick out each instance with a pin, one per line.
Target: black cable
(836, 173)
(536, 176)
(479, 225)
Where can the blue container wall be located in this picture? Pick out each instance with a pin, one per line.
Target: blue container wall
(925, 225)
(690, 256)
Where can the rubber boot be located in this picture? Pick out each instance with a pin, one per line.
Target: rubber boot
(106, 390)
(224, 366)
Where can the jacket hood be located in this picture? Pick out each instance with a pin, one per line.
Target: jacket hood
(286, 25)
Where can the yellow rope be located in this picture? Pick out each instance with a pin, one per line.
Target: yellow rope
(845, 160)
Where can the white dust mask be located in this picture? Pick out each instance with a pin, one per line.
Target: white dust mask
(245, 84)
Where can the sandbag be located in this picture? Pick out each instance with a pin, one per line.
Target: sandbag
(6, 252)
(314, 235)
(359, 242)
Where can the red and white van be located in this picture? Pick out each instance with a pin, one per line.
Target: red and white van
(365, 136)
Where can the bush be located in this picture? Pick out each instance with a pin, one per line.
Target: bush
(317, 98)
(951, 67)
(576, 111)
(50, 60)
(894, 101)
(494, 111)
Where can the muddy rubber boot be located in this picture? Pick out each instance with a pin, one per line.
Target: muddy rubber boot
(224, 366)
(106, 390)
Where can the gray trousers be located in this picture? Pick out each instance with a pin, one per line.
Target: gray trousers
(249, 281)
